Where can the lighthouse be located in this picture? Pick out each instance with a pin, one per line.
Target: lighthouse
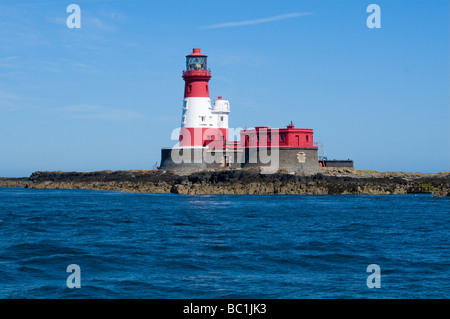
(202, 123)
(203, 139)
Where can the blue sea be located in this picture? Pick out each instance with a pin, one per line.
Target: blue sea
(222, 246)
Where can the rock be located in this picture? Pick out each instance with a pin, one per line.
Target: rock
(244, 181)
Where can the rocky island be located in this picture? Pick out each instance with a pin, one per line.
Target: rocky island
(242, 181)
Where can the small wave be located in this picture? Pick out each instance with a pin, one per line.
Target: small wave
(180, 224)
(220, 247)
(40, 249)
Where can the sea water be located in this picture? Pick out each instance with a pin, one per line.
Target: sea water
(222, 246)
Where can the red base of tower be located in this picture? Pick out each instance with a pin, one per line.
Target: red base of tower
(203, 136)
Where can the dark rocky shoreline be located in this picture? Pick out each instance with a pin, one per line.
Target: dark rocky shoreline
(329, 182)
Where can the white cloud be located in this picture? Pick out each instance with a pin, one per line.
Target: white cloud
(257, 21)
(8, 62)
(10, 102)
(9, 58)
(91, 23)
(100, 24)
(113, 15)
(8, 96)
(96, 112)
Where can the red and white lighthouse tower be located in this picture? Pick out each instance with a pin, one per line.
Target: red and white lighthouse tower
(201, 123)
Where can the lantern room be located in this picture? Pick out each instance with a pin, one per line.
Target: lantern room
(196, 61)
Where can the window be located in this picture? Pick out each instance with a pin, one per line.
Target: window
(203, 118)
(206, 87)
(221, 118)
(282, 138)
(190, 88)
(307, 138)
(301, 157)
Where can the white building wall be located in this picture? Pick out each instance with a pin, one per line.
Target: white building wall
(197, 112)
(221, 110)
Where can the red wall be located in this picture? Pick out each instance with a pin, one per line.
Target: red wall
(286, 137)
(196, 83)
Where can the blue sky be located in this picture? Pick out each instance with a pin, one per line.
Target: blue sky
(108, 95)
